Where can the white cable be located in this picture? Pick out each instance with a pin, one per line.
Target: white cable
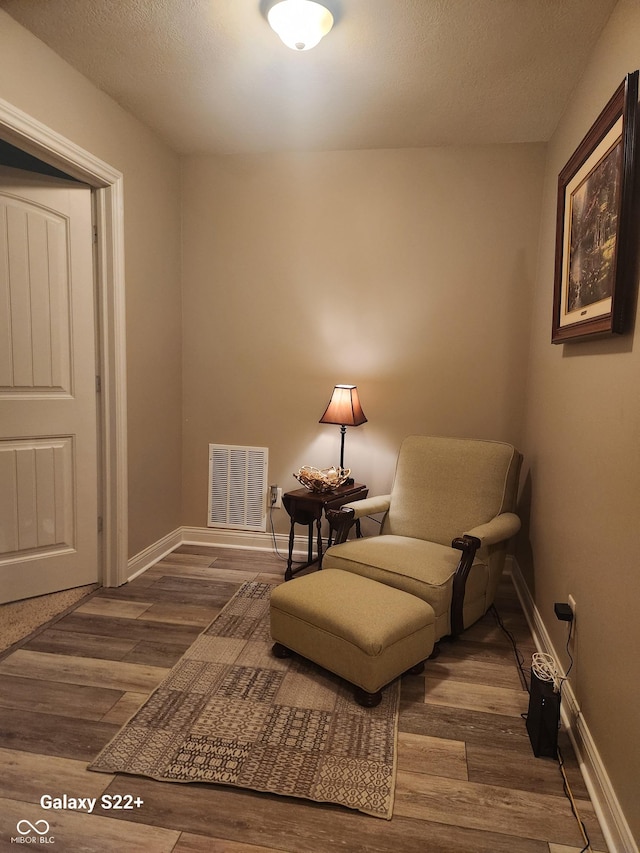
(544, 666)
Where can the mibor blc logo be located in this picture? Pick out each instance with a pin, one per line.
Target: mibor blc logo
(32, 833)
(24, 827)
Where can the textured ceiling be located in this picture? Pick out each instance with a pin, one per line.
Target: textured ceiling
(211, 76)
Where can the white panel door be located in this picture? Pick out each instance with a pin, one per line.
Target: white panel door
(48, 426)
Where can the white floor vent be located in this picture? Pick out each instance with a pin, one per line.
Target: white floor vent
(238, 487)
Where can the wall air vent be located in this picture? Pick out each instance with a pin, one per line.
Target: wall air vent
(238, 487)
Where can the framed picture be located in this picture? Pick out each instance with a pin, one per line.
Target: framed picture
(595, 231)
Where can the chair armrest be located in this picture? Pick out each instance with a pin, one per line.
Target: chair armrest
(369, 506)
(502, 527)
(342, 519)
(468, 545)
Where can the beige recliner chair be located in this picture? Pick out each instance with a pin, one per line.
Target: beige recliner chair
(445, 528)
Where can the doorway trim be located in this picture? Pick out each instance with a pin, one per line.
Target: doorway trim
(28, 134)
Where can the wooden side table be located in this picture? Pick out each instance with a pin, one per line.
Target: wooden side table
(305, 507)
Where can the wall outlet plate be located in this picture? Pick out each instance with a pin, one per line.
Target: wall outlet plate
(275, 497)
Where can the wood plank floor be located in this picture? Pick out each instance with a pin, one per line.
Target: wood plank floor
(467, 779)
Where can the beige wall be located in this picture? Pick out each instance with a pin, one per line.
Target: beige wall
(37, 81)
(406, 272)
(582, 463)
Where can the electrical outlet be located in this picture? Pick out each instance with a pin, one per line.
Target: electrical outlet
(572, 604)
(275, 497)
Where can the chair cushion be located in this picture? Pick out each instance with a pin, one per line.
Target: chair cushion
(423, 569)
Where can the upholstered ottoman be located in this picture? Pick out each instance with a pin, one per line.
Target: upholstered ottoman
(364, 631)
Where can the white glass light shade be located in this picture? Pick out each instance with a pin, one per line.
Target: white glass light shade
(300, 23)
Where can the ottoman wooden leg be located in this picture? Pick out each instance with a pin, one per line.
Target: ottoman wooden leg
(418, 669)
(367, 700)
(280, 651)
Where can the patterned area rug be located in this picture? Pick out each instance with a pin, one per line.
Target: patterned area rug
(231, 713)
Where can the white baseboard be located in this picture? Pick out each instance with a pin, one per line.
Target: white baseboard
(146, 558)
(246, 539)
(215, 536)
(612, 820)
(232, 538)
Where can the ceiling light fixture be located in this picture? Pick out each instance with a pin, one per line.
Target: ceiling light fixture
(300, 23)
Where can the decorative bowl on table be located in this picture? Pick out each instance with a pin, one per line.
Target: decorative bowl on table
(322, 479)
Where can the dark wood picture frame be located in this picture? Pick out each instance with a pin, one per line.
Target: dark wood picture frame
(596, 224)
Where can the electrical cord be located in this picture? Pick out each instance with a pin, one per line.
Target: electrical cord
(574, 807)
(275, 543)
(544, 667)
(273, 536)
(569, 655)
(518, 655)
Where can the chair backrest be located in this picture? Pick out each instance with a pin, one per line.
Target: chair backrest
(445, 486)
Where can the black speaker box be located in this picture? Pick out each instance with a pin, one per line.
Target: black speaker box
(543, 718)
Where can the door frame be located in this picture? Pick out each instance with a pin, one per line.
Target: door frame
(33, 137)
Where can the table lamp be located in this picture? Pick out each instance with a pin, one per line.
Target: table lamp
(344, 409)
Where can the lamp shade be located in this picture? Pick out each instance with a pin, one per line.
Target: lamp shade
(300, 23)
(344, 407)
